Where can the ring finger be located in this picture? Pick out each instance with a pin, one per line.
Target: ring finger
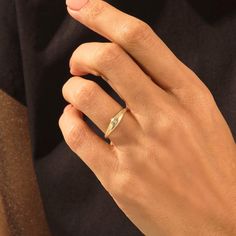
(88, 97)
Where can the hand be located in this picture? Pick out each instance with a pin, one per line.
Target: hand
(171, 162)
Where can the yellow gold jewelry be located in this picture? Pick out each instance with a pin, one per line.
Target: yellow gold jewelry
(114, 122)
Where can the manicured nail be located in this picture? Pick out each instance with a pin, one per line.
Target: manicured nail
(76, 4)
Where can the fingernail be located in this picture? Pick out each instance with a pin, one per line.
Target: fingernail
(76, 4)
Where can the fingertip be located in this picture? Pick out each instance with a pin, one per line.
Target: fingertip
(71, 11)
(76, 5)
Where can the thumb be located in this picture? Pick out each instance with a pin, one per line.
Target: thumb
(76, 4)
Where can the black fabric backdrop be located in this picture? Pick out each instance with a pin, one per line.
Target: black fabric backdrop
(37, 38)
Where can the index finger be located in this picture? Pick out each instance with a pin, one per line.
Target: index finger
(135, 37)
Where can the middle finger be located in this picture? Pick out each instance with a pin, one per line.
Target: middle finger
(111, 62)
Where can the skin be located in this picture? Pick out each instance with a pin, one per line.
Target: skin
(170, 165)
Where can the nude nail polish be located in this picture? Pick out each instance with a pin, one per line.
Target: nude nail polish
(76, 4)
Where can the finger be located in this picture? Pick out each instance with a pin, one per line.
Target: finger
(121, 72)
(138, 39)
(94, 151)
(88, 97)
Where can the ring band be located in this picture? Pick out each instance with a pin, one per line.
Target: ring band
(114, 122)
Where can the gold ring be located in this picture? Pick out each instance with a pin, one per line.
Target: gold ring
(114, 122)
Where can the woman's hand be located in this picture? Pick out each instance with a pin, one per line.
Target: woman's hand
(171, 163)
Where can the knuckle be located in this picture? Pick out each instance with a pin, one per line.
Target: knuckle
(75, 59)
(125, 182)
(165, 125)
(204, 101)
(73, 67)
(60, 121)
(200, 96)
(134, 32)
(65, 89)
(204, 94)
(75, 55)
(123, 185)
(76, 137)
(108, 55)
(79, 49)
(84, 95)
